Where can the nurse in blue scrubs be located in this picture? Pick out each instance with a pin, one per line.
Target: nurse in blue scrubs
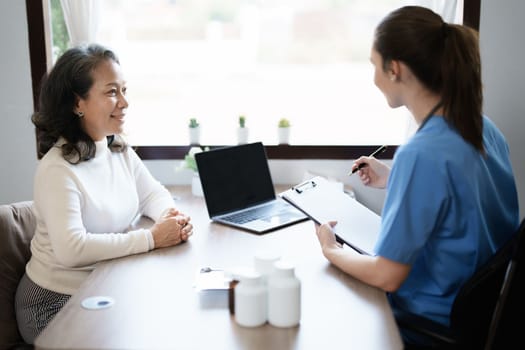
(451, 197)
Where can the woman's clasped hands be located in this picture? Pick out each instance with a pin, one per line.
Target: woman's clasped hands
(172, 228)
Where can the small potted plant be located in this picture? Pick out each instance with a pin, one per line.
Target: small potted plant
(283, 131)
(242, 130)
(189, 163)
(195, 131)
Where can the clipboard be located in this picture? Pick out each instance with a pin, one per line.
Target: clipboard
(357, 226)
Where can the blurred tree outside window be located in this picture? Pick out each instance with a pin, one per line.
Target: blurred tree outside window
(60, 37)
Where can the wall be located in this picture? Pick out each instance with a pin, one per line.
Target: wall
(502, 52)
(17, 144)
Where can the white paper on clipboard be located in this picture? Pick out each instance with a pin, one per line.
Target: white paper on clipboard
(357, 226)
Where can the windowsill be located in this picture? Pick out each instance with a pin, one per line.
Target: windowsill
(274, 152)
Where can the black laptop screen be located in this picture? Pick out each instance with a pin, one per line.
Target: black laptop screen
(235, 177)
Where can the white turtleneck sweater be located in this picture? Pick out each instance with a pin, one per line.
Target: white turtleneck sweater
(83, 212)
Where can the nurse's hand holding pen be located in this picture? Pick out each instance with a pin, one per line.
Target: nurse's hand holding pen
(371, 171)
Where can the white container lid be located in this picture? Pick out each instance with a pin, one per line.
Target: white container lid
(283, 269)
(264, 260)
(251, 278)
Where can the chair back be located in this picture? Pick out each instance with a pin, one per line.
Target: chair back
(17, 227)
(474, 307)
(507, 322)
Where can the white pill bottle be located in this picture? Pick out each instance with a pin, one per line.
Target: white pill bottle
(284, 296)
(250, 301)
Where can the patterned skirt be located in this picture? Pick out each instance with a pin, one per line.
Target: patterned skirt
(35, 307)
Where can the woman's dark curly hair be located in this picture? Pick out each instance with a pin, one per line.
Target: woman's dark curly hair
(69, 79)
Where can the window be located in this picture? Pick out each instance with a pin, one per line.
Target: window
(307, 61)
(215, 60)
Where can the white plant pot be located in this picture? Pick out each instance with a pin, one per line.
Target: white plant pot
(195, 135)
(196, 186)
(283, 135)
(242, 135)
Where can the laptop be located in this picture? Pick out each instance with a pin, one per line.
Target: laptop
(239, 191)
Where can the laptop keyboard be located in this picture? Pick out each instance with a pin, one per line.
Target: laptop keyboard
(260, 213)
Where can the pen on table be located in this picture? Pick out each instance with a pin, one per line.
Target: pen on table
(375, 153)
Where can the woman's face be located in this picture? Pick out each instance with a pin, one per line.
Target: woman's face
(105, 106)
(385, 80)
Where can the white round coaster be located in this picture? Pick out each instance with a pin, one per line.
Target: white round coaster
(98, 302)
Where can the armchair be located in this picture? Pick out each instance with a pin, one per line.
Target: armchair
(17, 227)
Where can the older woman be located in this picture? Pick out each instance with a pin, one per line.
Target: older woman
(89, 186)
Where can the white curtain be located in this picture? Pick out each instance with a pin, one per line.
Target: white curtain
(81, 17)
(450, 10)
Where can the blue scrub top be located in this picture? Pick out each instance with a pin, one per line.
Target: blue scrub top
(448, 209)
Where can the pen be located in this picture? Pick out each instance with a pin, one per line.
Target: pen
(375, 153)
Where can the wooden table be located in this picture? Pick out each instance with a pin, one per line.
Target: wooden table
(156, 306)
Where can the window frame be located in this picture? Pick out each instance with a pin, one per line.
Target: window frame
(36, 22)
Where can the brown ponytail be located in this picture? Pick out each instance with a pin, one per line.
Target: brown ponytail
(462, 93)
(444, 57)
